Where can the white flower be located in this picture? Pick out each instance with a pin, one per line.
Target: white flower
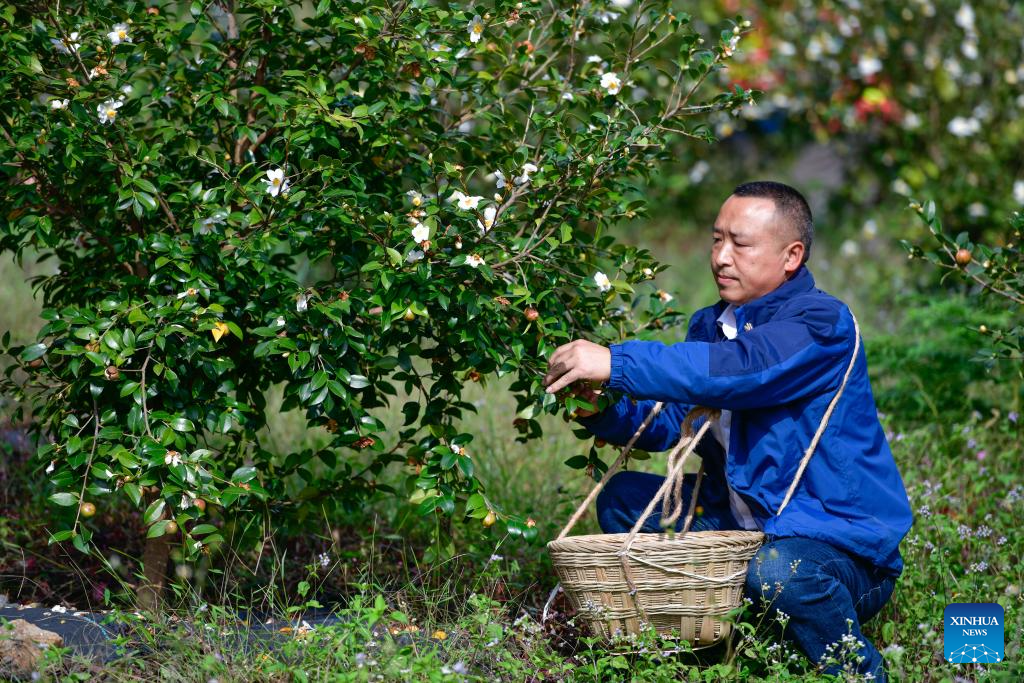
(648, 272)
(602, 281)
(969, 48)
(869, 229)
(488, 222)
(476, 29)
(279, 321)
(466, 202)
(868, 65)
(528, 168)
(622, 3)
(68, 45)
(420, 233)
(108, 111)
(731, 46)
(699, 170)
(127, 89)
(415, 197)
(977, 210)
(610, 82)
(1018, 191)
(301, 303)
(664, 296)
(499, 179)
(849, 249)
(58, 104)
(119, 34)
(965, 17)
(594, 59)
(474, 260)
(51, 467)
(276, 182)
(206, 225)
(963, 127)
(414, 256)
(172, 458)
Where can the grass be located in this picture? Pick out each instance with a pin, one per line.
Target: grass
(474, 617)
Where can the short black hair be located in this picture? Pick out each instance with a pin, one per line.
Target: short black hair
(790, 206)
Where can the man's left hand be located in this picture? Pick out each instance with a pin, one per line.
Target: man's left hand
(577, 360)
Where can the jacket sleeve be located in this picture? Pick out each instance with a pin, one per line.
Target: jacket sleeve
(617, 424)
(801, 352)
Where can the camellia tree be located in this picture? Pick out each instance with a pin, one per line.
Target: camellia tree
(447, 172)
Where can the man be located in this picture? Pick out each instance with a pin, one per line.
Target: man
(770, 355)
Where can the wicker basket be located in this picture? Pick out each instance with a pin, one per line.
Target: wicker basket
(682, 583)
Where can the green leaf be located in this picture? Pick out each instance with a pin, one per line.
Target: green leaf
(32, 352)
(358, 381)
(65, 499)
(182, 424)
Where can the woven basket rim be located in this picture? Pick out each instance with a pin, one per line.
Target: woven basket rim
(653, 540)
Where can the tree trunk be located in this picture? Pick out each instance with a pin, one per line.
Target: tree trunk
(154, 569)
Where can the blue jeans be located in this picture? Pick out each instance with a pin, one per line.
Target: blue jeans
(825, 592)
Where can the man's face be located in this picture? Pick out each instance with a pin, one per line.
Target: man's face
(750, 255)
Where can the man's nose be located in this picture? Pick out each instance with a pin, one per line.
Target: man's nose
(721, 256)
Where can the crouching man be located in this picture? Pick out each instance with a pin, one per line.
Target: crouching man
(771, 355)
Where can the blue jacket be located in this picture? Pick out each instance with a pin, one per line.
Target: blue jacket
(777, 376)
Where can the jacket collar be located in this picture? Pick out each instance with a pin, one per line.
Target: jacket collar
(762, 309)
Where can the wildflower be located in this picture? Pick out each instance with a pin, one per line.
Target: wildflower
(530, 522)
(981, 455)
(1001, 540)
(51, 467)
(1013, 416)
(58, 104)
(415, 197)
(664, 296)
(499, 180)
(602, 281)
(276, 182)
(324, 559)
(496, 558)
(172, 458)
(97, 71)
(119, 34)
(108, 111)
(414, 256)
(983, 531)
(439, 635)
(964, 531)
(610, 82)
(648, 272)
(488, 222)
(978, 567)
(476, 29)
(474, 260)
(420, 233)
(66, 46)
(466, 202)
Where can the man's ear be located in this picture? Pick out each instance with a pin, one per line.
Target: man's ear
(794, 257)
